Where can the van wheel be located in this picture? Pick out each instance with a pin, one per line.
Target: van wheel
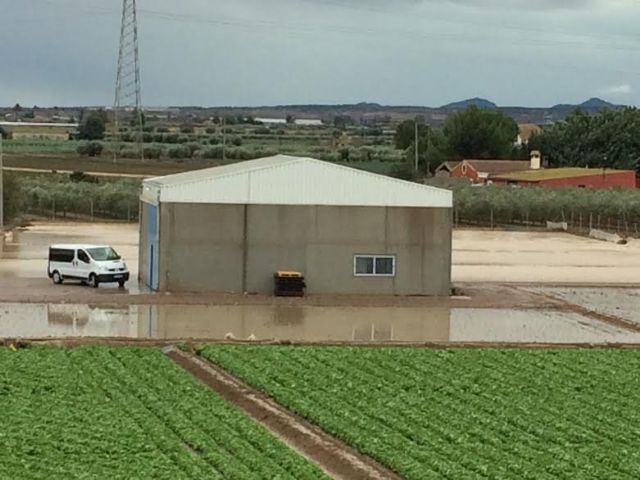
(57, 278)
(121, 283)
(93, 280)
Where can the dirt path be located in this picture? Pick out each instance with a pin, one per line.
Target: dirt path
(333, 456)
(74, 342)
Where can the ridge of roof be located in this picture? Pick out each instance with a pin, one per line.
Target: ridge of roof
(275, 161)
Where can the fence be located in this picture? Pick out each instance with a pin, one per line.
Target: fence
(57, 196)
(579, 223)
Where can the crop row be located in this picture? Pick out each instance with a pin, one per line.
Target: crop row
(462, 413)
(126, 413)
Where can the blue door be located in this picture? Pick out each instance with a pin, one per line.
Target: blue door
(152, 246)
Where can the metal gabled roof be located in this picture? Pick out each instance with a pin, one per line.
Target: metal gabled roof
(286, 180)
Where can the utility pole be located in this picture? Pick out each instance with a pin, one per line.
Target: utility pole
(224, 139)
(428, 151)
(128, 97)
(415, 145)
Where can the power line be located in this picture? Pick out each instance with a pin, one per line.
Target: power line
(128, 97)
(633, 42)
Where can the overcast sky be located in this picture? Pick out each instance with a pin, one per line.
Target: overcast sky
(265, 52)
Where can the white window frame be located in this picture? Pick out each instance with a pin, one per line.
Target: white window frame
(374, 257)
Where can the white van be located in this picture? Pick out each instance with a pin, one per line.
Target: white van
(92, 264)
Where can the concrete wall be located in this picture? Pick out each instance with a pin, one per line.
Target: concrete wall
(143, 256)
(237, 248)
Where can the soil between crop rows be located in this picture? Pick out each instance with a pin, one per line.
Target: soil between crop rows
(329, 453)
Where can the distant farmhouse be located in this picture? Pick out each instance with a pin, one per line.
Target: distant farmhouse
(533, 173)
(599, 178)
(305, 122)
(480, 171)
(38, 130)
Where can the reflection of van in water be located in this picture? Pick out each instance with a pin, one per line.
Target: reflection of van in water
(94, 264)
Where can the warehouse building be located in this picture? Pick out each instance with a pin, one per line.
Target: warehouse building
(229, 228)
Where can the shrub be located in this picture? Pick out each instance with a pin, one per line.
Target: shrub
(193, 147)
(187, 129)
(210, 130)
(214, 141)
(212, 153)
(237, 141)
(91, 149)
(78, 176)
(179, 152)
(152, 153)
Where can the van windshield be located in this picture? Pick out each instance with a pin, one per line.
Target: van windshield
(103, 253)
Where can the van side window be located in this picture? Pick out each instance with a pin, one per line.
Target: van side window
(60, 255)
(83, 257)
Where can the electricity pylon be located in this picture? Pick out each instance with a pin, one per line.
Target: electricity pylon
(127, 108)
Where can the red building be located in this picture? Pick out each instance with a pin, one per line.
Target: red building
(598, 178)
(480, 171)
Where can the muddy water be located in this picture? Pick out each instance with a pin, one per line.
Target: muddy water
(305, 323)
(618, 302)
(25, 250)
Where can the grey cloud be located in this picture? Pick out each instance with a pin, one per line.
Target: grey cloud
(249, 52)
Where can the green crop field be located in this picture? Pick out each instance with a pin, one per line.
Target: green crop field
(40, 146)
(468, 413)
(124, 413)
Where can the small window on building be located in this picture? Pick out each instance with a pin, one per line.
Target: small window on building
(374, 266)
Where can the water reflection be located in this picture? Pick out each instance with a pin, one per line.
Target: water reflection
(305, 323)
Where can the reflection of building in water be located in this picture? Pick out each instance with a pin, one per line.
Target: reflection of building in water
(305, 323)
(22, 320)
(301, 323)
(91, 321)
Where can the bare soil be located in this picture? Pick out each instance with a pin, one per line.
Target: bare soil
(41, 290)
(332, 455)
(104, 164)
(191, 343)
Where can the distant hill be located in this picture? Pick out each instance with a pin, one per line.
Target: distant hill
(591, 104)
(478, 102)
(365, 112)
(597, 103)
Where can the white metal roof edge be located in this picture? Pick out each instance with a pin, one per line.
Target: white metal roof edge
(293, 159)
(365, 173)
(289, 160)
(155, 182)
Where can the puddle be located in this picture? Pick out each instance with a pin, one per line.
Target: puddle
(24, 254)
(618, 302)
(305, 323)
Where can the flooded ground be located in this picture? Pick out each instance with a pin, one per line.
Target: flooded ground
(486, 264)
(542, 258)
(306, 324)
(25, 251)
(617, 302)
(478, 255)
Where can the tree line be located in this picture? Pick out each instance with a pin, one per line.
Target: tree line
(608, 139)
(76, 194)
